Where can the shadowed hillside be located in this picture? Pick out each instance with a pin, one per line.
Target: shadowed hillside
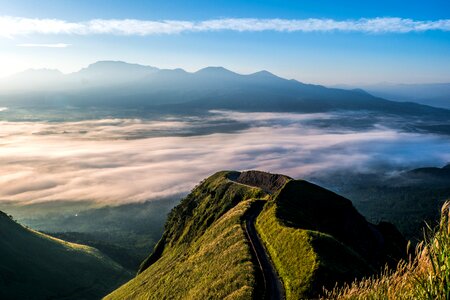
(424, 276)
(317, 238)
(408, 199)
(36, 266)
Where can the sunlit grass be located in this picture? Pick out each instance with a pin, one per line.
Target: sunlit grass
(290, 251)
(206, 253)
(216, 266)
(306, 260)
(425, 276)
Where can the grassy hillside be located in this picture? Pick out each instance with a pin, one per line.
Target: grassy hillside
(125, 233)
(426, 276)
(305, 258)
(36, 266)
(204, 253)
(317, 238)
(218, 265)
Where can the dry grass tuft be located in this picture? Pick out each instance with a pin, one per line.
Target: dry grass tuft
(426, 276)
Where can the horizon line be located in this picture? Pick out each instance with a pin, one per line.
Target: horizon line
(330, 85)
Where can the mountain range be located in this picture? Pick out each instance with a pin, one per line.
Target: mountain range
(119, 84)
(433, 94)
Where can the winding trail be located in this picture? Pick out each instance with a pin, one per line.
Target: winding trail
(273, 286)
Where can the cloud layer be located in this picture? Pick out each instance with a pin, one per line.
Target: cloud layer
(57, 45)
(15, 26)
(94, 160)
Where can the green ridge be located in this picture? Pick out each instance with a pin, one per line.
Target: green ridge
(204, 254)
(317, 238)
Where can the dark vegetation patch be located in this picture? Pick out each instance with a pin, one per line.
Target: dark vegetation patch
(301, 204)
(408, 199)
(266, 181)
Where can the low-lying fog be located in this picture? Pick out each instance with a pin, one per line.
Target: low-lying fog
(126, 160)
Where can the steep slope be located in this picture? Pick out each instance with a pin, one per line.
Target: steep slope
(205, 254)
(316, 238)
(424, 276)
(36, 266)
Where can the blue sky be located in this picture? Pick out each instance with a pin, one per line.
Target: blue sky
(392, 50)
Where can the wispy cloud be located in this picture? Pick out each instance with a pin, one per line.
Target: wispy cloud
(58, 45)
(14, 26)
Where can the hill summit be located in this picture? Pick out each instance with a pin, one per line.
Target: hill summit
(312, 238)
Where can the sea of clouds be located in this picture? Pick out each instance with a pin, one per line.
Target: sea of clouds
(128, 160)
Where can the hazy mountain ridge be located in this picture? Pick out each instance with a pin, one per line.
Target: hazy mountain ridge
(434, 94)
(119, 84)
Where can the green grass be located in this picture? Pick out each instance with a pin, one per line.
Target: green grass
(306, 260)
(290, 251)
(126, 233)
(200, 209)
(36, 266)
(204, 253)
(316, 238)
(216, 266)
(425, 276)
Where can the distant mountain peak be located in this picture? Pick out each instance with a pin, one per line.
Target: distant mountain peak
(174, 71)
(215, 70)
(107, 64)
(104, 62)
(263, 73)
(113, 72)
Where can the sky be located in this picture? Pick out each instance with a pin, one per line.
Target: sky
(317, 41)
